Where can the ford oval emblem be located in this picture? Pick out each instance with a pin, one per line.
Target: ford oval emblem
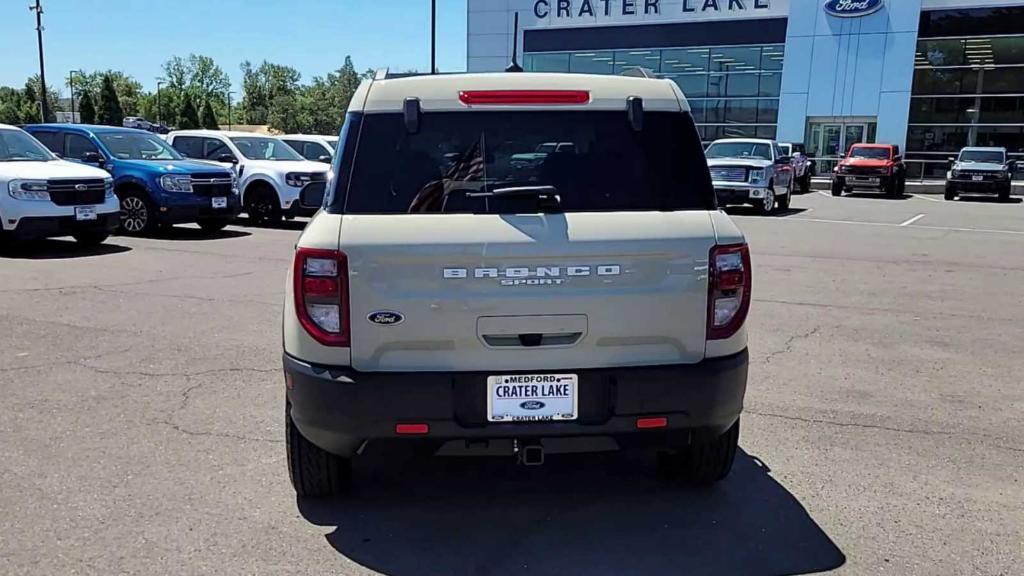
(532, 405)
(853, 8)
(385, 318)
(81, 187)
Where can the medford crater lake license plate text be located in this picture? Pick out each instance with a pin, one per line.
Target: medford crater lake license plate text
(532, 397)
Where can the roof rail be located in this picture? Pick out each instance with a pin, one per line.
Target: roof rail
(638, 72)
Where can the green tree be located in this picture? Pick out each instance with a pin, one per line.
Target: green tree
(86, 109)
(208, 119)
(188, 118)
(129, 91)
(31, 93)
(198, 76)
(109, 112)
(325, 101)
(15, 107)
(263, 86)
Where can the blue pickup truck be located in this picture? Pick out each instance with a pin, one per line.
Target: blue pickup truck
(155, 185)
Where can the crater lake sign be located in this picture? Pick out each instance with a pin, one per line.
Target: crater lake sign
(568, 12)
(853, 8)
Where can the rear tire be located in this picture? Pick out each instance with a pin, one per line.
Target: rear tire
(91, 238)
(213, 225)
(707, 460)
(314, 472)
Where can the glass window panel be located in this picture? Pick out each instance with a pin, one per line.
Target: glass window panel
(714, 111)
(1002, 80)
(692, 85)
(940, 52)
(945, 81)
(690, 60)
(1009, 137)
(772, 57)
(1004, 50)
(766, 132)
(649, 59)
(937, 138)
(767, 111)
(1005, 109)
(733, 85)
(741, 111)
(549, 63)
(942, 110)
(771, 84)
(697, 110)
(592, 62)
(731, 131)
(737, 59)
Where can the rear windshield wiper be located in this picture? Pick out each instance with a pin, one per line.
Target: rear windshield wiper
(547, 196)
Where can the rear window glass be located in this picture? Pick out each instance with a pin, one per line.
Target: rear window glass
(466, 162)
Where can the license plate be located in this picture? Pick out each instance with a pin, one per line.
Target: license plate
(864, 180)
(85, 213)
(220, 202)
(978, 178)
(532, 398)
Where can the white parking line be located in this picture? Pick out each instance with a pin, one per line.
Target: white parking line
(912, 220)
(920, 197)
(890, 225)
(826, 194)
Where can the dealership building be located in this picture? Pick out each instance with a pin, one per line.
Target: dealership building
(929, 75)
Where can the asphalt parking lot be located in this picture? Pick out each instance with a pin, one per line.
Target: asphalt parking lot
(142, 428)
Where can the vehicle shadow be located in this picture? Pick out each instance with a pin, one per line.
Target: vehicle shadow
(54, 249)
(751, 211)
(990, 199)
(606, 514)
(876, 196)
(296, 225)
(190, 233)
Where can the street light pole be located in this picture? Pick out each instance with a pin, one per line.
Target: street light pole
(433, 36)
(229, 110)
(158, 110)
(44, 106)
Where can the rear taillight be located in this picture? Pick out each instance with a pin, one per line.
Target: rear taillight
(728, 290)
(523, 97)
(321, 295)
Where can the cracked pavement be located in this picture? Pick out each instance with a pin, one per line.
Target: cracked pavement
(142, 423)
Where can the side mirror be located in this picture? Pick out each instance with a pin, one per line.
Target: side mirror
(325, 159)
(312, 196)
(93, 158)
(229, 158)
(897, 158)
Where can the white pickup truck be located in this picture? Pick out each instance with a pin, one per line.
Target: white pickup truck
(449, 295)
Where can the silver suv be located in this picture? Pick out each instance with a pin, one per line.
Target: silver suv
(449, 294)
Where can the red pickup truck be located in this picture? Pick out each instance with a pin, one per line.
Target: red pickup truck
(877, 167)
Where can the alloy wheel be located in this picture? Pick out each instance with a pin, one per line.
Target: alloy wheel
(769, 200)
(134, 214)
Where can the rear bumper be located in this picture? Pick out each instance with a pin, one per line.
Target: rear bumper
(38, 227)
(339, 409)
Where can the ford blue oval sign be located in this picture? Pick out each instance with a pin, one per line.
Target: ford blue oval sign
(385, 318)
(853, 8)
(532, 405)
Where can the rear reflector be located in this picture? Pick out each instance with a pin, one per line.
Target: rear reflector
(648, 423)
(523, 97)
(412, 428)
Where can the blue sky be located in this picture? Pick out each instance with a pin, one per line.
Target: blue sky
(313, 36)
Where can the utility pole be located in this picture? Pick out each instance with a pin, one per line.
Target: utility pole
(158, 83)
(433, 36)
(229, 110)
(44, 106)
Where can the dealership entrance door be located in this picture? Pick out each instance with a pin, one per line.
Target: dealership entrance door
(830, 138)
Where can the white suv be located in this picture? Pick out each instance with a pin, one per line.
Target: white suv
(270, 173)
(42, 196)
(311, 147)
